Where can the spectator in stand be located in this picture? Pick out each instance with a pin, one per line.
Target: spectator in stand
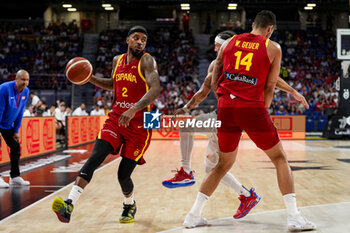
(69, 111)
(29, 112)
(97, 111)
(50, 111)
(37, 106)
(281, 111)
(293, 111)
(35, 98)
(80, 111)
(60, 114)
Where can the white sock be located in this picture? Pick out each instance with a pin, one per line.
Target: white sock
(230, 181)
(186, 146)
(129, 200)
(199, 204)
(75, 193)
(291, 203)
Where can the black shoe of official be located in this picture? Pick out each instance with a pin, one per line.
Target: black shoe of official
(128, 213)
(63, 209)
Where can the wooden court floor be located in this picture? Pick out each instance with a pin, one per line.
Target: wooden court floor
(321, 173)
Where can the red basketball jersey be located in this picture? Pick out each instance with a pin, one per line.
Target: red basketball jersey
(245, 67)
(129, 85)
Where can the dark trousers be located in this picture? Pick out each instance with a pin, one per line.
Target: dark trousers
(15, 150)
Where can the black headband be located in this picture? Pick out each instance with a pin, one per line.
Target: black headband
(137, 29)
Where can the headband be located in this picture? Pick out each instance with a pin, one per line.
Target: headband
(137, 29)
(219, 40)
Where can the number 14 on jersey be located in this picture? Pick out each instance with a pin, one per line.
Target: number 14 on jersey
(245, 61)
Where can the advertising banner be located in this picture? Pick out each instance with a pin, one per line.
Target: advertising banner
(289, 127)
(37, 136)
(83, 129)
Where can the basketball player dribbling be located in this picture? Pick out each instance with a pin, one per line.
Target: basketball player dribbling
(136, 85)
(184, 177)
(245, 76)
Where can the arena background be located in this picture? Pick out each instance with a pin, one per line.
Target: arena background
(43, 36)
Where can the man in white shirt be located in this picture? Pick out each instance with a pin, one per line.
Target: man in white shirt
(35, 98)
(97, 111)
(29, 112)
(50, 111)
(80, 111)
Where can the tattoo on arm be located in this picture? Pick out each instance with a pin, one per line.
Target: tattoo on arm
(152, 78)
(201, 94)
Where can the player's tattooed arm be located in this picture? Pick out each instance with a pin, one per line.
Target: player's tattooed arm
(201, 94)
(282, 85)
(218, 67)
(149, 69)
(105, 83)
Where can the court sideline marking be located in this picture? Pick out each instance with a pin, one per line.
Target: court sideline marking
(63, 188)
(257, 213)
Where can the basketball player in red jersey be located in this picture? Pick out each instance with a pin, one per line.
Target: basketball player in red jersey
(136, 85)
(245, 76)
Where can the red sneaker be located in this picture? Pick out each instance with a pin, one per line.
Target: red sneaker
(181, 179)
(247, 203)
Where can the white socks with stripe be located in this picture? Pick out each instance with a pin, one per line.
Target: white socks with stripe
(230, 181)
(129, 200)
(199, 204)
(291, 204)
(75, 193)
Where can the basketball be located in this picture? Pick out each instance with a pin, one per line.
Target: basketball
(79, 70)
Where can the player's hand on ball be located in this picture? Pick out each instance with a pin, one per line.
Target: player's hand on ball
(126, 117)
(301, 99)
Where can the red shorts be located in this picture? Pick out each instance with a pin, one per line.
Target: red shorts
(236, 115)
(134, 139)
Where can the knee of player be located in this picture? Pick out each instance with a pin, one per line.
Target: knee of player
(225, 164)
(278, 159)
(122, 178)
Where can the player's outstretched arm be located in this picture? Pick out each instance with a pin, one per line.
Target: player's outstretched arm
(201, 94)
(274, 51)
(283, 85)
(105, 83)
(218, 67)
(149, 69)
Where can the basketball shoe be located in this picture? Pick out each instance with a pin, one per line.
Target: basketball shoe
(181, 179)
(63, 209)
(299, 223)
(194, 221)
(128, 213)
(247, 203)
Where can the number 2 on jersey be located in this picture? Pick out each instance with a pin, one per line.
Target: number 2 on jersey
(124, 90)
(246, 61)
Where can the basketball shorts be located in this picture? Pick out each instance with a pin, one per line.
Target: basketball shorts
(132, 142)
(237, 115)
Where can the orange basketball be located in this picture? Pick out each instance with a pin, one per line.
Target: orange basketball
(79, 70)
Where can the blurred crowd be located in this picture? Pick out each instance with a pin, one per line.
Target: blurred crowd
(42, 51)
(310, 66)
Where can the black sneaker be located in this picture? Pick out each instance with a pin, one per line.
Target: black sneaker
(128, 213)
(63, 209)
